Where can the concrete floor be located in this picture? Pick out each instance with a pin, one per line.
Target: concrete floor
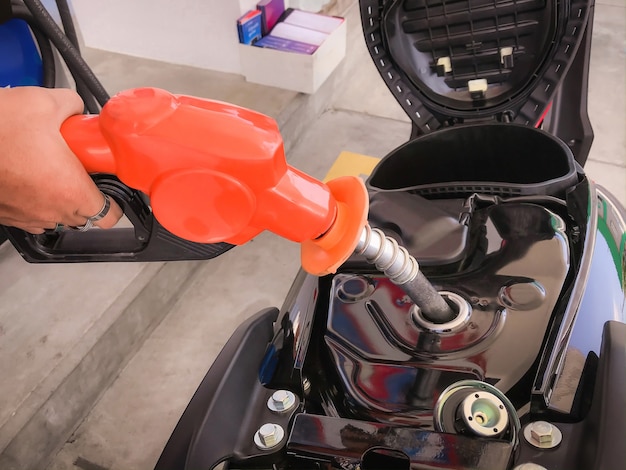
(177, 316)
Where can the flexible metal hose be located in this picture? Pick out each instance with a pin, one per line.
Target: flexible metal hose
(402, 269)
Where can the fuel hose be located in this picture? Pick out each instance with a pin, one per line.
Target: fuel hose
(68, 51)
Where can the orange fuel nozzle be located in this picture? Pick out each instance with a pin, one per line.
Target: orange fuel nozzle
(215, 172)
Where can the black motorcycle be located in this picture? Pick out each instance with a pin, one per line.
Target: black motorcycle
(490, 197)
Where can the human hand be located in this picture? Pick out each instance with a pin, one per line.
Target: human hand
(42, 183)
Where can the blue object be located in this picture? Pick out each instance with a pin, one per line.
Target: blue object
(249, 27)
(20, 63)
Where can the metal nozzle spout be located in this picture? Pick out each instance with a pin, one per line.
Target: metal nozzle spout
(402, 269)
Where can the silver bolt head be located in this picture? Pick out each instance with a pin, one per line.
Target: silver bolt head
(543, 435)
(542, 432)
(268, 436)
(281, 400)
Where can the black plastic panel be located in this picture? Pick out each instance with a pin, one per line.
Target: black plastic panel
(471, 34)
(489, 158)
(414, 221)
(408, 38)
(222, 400)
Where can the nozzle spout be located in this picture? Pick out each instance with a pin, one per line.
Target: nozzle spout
(402, 269)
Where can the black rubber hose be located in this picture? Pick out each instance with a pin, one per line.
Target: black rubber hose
(20, 11)
(72, 57)
(68, 25)
(45, 49)
(47, 57)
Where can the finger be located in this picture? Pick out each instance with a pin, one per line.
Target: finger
(92, 200)
(33, 230)
(113, 216)
(72, 220)
(50, 225)
(27, 225)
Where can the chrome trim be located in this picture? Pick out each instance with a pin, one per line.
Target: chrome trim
(556, 359)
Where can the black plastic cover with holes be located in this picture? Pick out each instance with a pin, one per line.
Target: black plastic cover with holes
(428, 51)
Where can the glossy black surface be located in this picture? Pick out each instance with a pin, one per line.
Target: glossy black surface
(349, 345)
(347, 442)
(392, 369)
(406, 40)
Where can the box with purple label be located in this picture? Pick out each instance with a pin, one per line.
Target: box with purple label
(270, 13)
(287, 45)
(294, 70)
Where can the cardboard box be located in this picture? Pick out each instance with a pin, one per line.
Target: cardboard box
(292, 71)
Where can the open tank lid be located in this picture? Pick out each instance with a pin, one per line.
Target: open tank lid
(447, 61)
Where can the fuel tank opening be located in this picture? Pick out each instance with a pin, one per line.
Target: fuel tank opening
(472, 407)
(483, 413)
(462, 312)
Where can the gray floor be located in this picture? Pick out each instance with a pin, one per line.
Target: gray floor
(47, 329)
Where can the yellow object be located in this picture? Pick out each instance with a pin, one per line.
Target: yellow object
(351, 164)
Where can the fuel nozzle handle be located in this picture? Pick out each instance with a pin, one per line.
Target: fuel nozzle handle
(216, 172)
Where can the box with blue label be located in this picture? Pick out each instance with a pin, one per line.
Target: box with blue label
(294, 56)
(249, 27)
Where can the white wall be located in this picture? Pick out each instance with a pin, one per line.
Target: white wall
(200, 33)
(309, 5)
(51, 6)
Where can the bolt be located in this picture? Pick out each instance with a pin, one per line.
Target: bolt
(281, 400)
(541, 431)
(543, 435)
(267, 434)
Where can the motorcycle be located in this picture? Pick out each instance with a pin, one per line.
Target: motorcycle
(490, 197)
(480, 322)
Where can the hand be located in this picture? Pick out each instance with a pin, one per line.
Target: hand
(42, 183)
